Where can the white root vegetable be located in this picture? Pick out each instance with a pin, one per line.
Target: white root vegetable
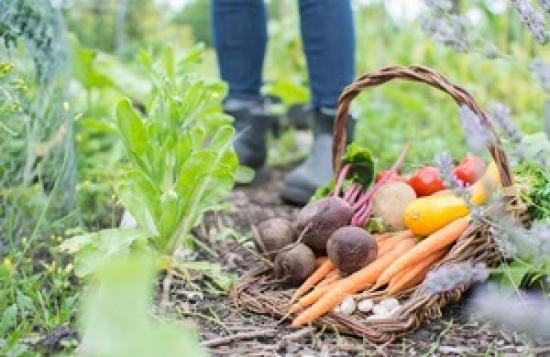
(365, 305)
(389, 303)
(380, 310)
(389, 203)
(347, 307)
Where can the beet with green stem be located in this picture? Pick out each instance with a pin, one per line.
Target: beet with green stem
(273, 235)
(294, 263)
(319, 219)
(351, 248)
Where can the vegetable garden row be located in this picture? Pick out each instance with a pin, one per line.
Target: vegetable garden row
(125, 228)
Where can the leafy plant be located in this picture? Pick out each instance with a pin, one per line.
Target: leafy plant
(116, 319)
(180, 164)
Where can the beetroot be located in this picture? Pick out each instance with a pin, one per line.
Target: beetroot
(351, 248)
(274, 234)
(321, 218)
(295, 263)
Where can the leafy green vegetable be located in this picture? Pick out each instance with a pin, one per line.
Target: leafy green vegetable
(362, 166)
(536, 194)
(180, 162)
(322, 191)
(533, 175)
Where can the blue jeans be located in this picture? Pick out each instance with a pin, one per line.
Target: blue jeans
(240, 38)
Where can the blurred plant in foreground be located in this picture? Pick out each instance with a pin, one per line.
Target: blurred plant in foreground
(116, 315)
(527, 312)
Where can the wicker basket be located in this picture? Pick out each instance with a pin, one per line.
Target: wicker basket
(259, 292)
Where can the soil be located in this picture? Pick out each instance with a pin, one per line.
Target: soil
(227, 330)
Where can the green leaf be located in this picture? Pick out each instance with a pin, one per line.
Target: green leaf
(244, 174)
(9, 318)
(513, 274)
(93, 250)
(323, 191)
(191, 56)
(131, 127)
(362, 166)
(142, 199)
(116, 314)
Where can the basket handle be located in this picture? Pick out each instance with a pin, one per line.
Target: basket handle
(417, 74)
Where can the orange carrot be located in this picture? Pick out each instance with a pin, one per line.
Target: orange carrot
(352, 284)
(392, 242)
(411, 276)
(321, 272)
(330, 278)
(434, 242)
(311, 298)
(381, 237)
(319, 261)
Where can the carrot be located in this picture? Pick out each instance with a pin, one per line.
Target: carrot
(321, 272)
(351, 284)
(381, 237)
(319, 261)
(311, 298)
(392, 242)
(434, 242)
(409, 277)
(330, 278)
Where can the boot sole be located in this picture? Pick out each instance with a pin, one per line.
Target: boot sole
(295, 195)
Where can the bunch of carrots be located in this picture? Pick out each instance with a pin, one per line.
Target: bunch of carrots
(402, 262)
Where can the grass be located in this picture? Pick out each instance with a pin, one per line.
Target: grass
(38, 292)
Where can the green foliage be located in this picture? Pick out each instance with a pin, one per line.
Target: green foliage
(180, 161)
(533, 175)
(536, 183)
(399, 111)
(196, 14)
(116, 318)
(37, 294)
(362, 166)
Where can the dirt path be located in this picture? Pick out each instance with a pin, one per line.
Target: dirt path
(227, 330)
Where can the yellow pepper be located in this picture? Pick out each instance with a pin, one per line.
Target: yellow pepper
(483, 187)
(426, 215)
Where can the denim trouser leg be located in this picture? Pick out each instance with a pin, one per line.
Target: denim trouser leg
(329, 42)
(240, 37)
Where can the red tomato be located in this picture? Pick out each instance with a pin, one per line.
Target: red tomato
(469, 169)
(426, 181)
(395, 177)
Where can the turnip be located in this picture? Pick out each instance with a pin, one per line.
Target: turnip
(273, 235)
(389, 204)
(351, 248)
(294, 263)
(318, 220)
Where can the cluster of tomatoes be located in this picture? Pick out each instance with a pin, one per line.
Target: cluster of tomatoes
(427, 180)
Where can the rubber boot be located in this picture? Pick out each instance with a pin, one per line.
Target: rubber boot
(251, 123)
(302, 182)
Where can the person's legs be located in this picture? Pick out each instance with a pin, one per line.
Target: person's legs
(240, 37)
(329, 44)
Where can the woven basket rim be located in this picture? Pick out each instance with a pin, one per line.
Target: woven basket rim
(430, 77)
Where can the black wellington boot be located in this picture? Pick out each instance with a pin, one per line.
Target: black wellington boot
(300, 184)
(251, 123)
